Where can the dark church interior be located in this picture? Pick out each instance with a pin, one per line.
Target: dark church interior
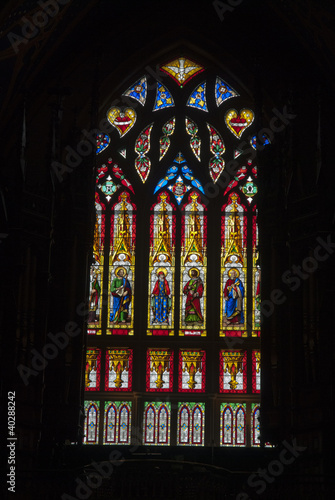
(64, 63)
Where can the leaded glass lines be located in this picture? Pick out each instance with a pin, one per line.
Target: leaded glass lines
(168, 160)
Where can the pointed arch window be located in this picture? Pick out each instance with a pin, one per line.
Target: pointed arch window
(193, 267)
(162, 266)
(169, 211)
(117, 422)
(233, 424)
(191, 424)
(122, 266)
(156, 423)
(255, 424)
(91, 422)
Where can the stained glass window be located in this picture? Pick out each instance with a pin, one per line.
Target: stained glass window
(198, 98)
(238, 122)
(164, 98)
(93, 369)
(182, 70)
(96, 269)
(103, 141)
(179, 179)
(195, 141)
(117, 422)
(91, 422)
(192, 370)
(122, 119)
(255, 425)
(233, 371)
(154, 203)
(118, 173)
(162, 267)
(193, 267)
(159, 370)
(122, 266)
(264, 141)
(165, 141)
(223, 91)
(119, 370)
(142, 146)
(233, 267)
(138, 90)
(256, 371)
(256, 279)
(233, 424)
(156, 423)
(191, 424)
(217, 147)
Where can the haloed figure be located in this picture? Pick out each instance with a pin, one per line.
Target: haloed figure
(193, 290)
(233, 294)
(161, 300)
(121, 292)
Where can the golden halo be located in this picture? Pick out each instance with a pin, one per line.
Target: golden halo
(234, 269)
(118, 269)
(161, 270)
(193, 269)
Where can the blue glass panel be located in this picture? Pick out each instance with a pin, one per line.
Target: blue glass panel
(164, 98)
(138, 91)
(198, 98)
(223, 91)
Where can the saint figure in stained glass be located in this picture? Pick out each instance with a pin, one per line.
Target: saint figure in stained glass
(121, 292)
(233, 295)
(161, 299)
(95, 295)
(193, 290)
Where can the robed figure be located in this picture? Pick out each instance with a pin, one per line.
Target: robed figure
(94, 298)
(233, 294)
(121, 292)
(161, 300)
(193, 290)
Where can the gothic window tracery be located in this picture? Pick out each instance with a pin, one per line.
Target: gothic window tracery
(170, 143)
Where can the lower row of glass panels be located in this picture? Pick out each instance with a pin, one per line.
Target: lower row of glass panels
(117, 415)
